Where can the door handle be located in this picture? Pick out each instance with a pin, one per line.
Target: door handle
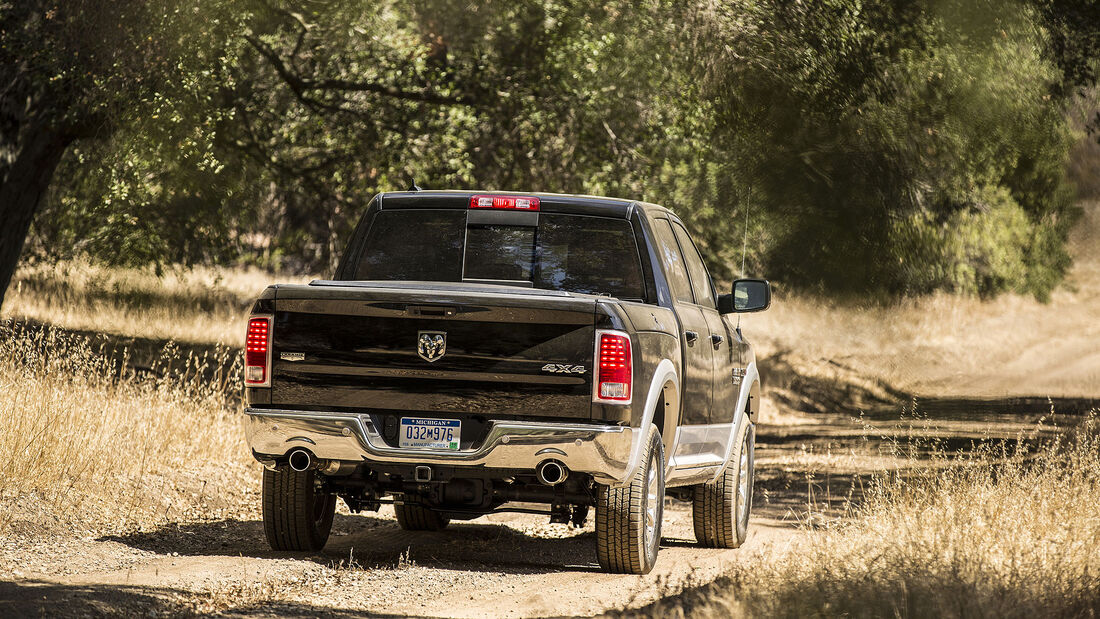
(716, 340)
(691, 336)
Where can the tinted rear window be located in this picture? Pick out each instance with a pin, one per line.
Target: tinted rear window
(412, 245)
(593, 255)
(500, 253)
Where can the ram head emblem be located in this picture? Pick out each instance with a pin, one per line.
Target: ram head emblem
(431, 345)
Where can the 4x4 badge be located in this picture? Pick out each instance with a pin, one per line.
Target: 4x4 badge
(558, 368)
(431, 345)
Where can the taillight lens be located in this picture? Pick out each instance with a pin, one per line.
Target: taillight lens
(518, 203)
(257, 349)
(614, 368)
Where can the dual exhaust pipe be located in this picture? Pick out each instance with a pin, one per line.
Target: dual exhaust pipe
(549, 472)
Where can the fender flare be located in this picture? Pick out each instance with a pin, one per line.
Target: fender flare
(664, 373)
(751, 380)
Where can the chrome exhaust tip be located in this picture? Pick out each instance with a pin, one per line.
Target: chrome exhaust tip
(300, 460)
(551, 473)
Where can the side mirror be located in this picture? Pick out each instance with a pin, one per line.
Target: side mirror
(749, 295)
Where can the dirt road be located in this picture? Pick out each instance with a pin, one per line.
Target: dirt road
(502, 565)
(809, 467)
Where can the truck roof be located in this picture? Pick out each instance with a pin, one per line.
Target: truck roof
(549, 202)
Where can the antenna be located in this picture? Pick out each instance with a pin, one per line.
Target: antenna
(414, 186)
(745, 244)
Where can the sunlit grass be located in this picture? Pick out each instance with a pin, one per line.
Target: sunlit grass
(998, 532)
(87, 442)
(199, 305)
(943, 344)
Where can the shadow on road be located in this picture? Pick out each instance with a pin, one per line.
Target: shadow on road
(33, 598)
(368, 542)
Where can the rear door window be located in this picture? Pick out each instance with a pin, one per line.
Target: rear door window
(700, 279)
(677, 272)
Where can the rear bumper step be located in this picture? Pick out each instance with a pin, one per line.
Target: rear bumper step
(602, 451)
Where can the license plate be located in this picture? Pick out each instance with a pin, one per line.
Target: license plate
(421, 432)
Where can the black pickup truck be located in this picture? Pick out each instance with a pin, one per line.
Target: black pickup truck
(478, 350)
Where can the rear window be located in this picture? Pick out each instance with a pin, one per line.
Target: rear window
(575, 253)
(500, 253)
(412, 245)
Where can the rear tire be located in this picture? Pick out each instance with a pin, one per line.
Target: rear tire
(720, 508)
(628, 519)
(297, 514)
(412, 517)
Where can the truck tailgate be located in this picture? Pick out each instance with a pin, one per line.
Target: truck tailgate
(358, 347)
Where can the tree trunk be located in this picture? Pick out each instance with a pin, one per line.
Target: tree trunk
(26, 168)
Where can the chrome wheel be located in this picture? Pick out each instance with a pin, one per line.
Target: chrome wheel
(652, 505)
(744, 481)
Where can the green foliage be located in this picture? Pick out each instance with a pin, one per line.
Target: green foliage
(890, 148)
(518, 95)
(137, 85)
(906, 146)
(82, 66)
(980, 250)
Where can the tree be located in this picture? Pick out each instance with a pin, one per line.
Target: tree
(71, 71)
(892, 148)
(896, 148)
(341, 100)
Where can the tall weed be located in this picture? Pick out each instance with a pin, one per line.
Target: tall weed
(1004, 531)
(90, 438)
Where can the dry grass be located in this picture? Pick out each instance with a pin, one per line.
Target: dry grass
(951, 345)
(84, 443)
(91, 442)
(995, 533)
(200, 305)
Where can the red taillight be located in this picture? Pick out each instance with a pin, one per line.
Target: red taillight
(257, 349)
(614, 368)
(519, 203)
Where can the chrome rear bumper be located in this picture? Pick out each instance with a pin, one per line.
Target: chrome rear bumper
(602, 451)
